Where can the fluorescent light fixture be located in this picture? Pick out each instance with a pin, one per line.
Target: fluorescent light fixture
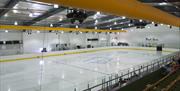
(15, 23)
(56, 6)
(6, 15)
(163, 3)
(140, 20)
(77, 26)
(30, 15)
(95, 27)
(36, 14)
(60, 19)
(38, 32)
(62, 32)
(6, 31)
(15, 11)
(123, 17)
(129, 25)
(96, 21)
(115, 23)
(51, 25)
(95, 17)
(98, 13)
(152, 22)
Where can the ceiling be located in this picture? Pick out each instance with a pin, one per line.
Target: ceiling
(29, 12)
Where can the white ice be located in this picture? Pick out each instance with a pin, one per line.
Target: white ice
(64, 73)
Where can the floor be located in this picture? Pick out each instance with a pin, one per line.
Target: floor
(64, 73)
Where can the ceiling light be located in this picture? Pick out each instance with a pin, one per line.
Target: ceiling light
(122, 29)
(36, 14)
(115, 23)
(95, 17)
(163, 3)
(76, 26)
(6, 15)
(41, 62)
(110, 28)
(96, 21)
(62, 32)
(60, 19)
(56, 6)
(123, 17)
(161, 24)
(6, 31)
(38, 32)
(129, 25)
(140, 20)
(15, 23)
(98, 13)
(15, 11)
(152, 22)
(15, 7)
(95, 27)
(30, 15)
(80, 32)
(51, 25)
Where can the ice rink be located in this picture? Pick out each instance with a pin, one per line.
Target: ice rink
(64, 73)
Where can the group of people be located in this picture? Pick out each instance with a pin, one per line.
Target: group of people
(173, 66)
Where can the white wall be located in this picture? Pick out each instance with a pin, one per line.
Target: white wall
(34, 42)
(10, 36)
(165, 35)
(10, 49)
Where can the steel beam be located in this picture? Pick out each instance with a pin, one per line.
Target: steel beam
(35, 28)
(44, 16)
(130, 8)
(9, 5)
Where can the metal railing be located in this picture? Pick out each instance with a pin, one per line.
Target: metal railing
(125, 77)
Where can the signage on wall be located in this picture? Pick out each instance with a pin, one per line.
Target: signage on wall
(93, 39)
(152, 39)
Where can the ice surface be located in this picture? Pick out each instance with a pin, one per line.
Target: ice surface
(64, 73)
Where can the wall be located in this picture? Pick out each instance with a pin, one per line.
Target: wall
(10, 49)
(169, 37)
(34, 42)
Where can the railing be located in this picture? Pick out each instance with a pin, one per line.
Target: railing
(172, 84)
(130, 75)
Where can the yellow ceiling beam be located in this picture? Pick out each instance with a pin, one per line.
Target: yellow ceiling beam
(129, 8)
(39, 28)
